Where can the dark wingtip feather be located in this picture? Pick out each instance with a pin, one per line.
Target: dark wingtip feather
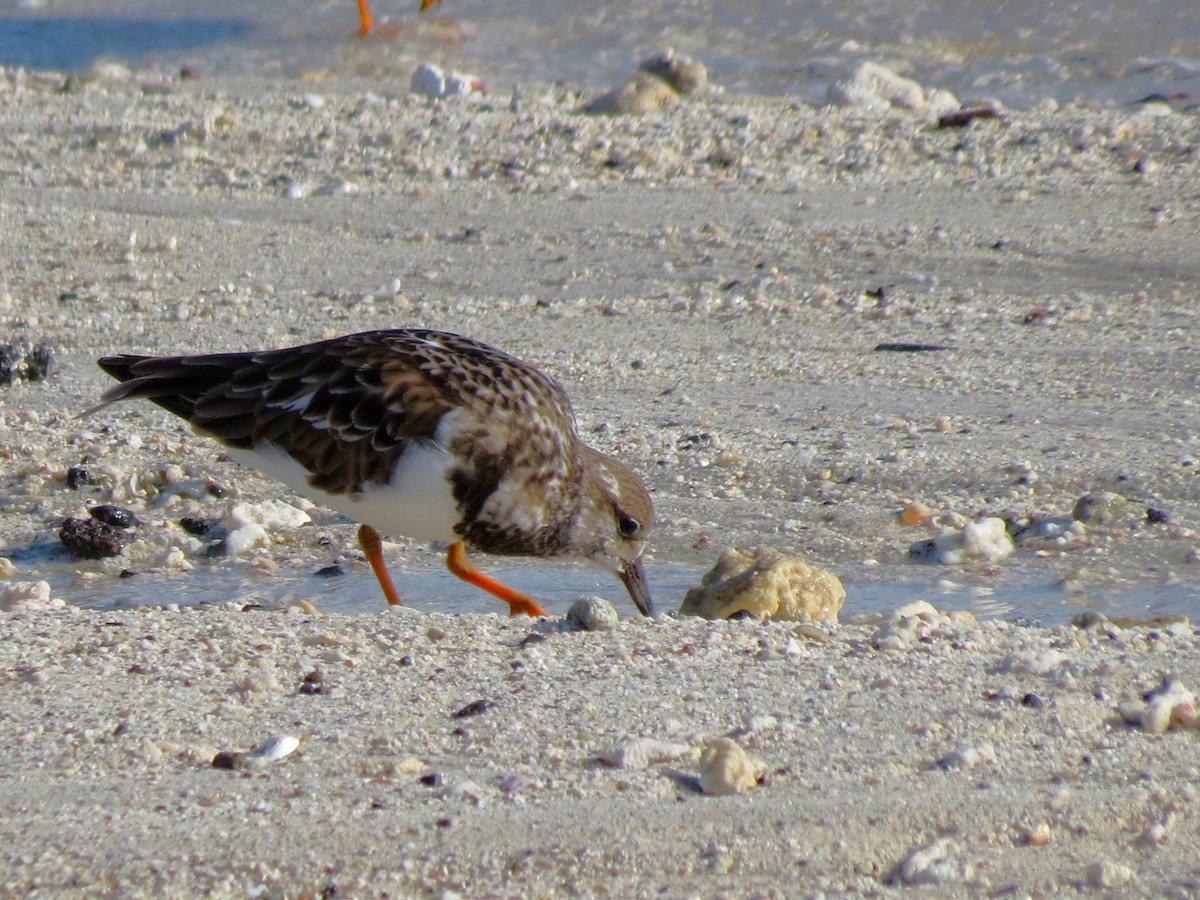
(168, 381)
(120, 367)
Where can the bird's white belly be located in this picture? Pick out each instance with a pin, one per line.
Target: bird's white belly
(417, 502)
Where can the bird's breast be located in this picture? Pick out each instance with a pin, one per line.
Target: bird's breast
(416, 502)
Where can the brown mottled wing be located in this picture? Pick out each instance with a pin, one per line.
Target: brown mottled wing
(344, 409)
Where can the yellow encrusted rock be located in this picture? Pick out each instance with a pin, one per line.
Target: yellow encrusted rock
(766, 582)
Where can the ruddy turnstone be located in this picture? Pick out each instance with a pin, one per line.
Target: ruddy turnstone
(415, 432)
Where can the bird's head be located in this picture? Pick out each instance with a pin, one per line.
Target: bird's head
(615, 521)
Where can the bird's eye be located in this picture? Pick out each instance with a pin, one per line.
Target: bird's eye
(627, 525)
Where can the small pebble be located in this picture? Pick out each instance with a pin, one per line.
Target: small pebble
(1105, 508)
(936, 863)
(968, 757)
(409, 765)
(313, 683)
(465, 790)
(77, 476)
(962, 117)
(246, 538)
(1109, 875)
(1155, 833)
(275, 748)
(476, 708)
(116, 516)
(1037, 836)
(201, 528)
(915, 514)
(518, 784)
(760, 723)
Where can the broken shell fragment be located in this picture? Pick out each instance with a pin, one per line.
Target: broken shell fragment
(642, 753)
(275, 748)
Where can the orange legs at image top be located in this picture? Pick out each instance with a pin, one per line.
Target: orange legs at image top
(456, 562)
(367, 22)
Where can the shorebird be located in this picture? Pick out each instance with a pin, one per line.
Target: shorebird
(415, 432)
(367, 21)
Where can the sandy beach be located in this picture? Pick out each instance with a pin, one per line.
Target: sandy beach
(712, 285)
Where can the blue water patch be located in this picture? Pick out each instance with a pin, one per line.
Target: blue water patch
(74, 44)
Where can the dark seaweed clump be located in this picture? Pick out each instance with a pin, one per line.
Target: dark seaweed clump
(23, 362)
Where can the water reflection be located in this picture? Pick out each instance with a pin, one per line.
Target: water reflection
(557, 585)
(432, 590)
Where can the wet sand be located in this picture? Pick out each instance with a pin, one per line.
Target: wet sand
(707, 286)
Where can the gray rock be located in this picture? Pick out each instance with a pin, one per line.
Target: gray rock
(593, 614)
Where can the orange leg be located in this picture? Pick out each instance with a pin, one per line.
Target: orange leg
(368, 539)
(366, 22)
(518, 603)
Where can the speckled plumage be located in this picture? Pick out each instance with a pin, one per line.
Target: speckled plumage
(347, 413)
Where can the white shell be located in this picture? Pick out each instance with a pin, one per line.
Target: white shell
(275, 748)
